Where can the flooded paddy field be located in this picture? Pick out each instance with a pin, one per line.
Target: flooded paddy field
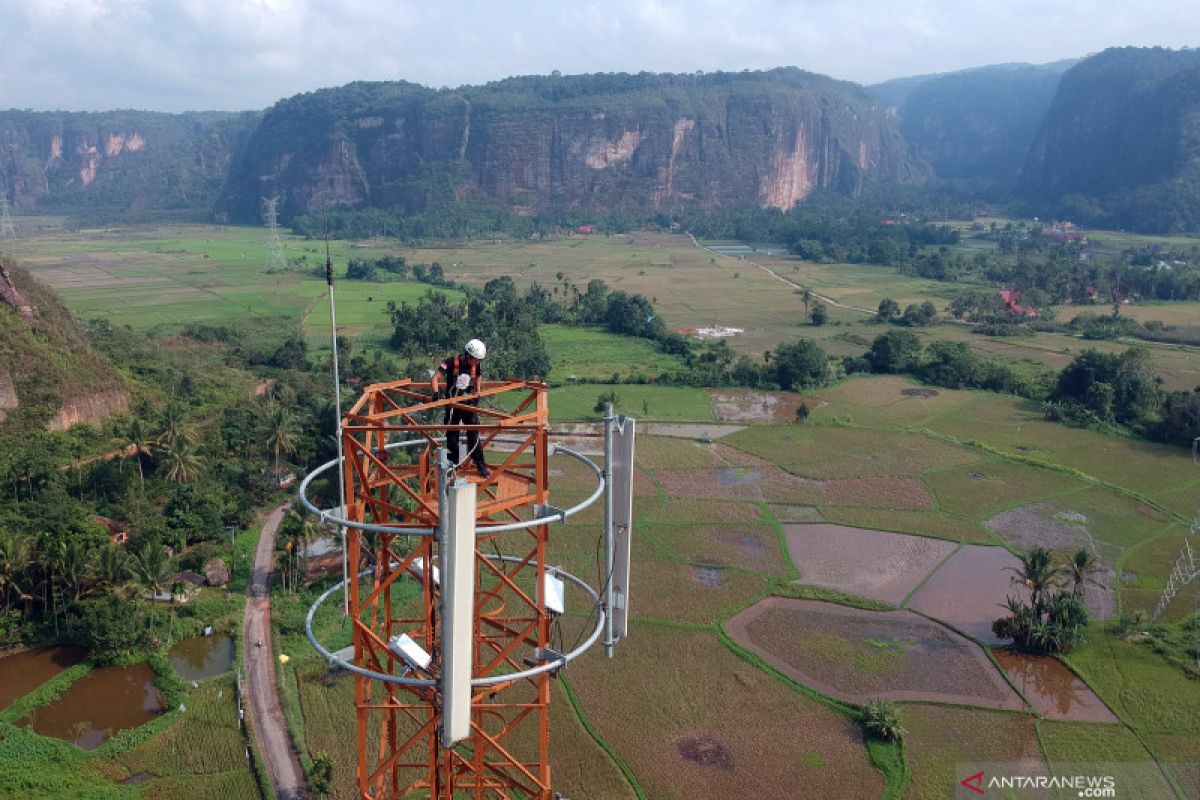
(202, 657)
(23, 672)
(876, 564)
(1052, 689)
(105, 702)
(858, 655)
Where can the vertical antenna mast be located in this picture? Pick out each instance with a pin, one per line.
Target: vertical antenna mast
(337, 416)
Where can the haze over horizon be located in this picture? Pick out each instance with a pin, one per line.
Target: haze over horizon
(92, 55)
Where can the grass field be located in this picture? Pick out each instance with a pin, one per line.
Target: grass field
(169, 276)
(592, 354)
(682, 707)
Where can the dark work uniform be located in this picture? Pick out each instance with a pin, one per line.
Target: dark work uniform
(450, 369)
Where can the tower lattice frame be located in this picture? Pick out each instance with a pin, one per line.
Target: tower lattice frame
(400, 754)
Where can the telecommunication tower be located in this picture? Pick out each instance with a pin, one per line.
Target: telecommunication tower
(270, 213)
(7, 229)
(452, 595)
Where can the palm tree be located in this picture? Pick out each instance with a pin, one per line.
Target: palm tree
(1037, 573)
(112, 568)
(72, 558)
(15, 557)
(1080, 568)
(136, 441)
(283, 434)
(175, 429)
(153, 572)
(183, 463)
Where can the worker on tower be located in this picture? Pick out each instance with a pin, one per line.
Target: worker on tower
(462, 374)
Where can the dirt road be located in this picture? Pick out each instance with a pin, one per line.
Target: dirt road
(270, 732)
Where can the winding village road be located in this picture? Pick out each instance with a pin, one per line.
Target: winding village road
(270, 732)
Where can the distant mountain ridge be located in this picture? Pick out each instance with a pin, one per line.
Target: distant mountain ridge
(118, 161)
(639, 142)
(1121, 140)
(1111, 140)
(975, 124)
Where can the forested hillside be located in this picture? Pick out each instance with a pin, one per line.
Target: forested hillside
(1120, 144)
(974, 124)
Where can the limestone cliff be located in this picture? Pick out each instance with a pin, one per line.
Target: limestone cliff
(117, 161)
(642, 142)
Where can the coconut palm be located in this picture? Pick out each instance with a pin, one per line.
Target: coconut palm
(1082, 566)
(1037, 573)
(182, 461)
(72, 560)
(175, 428)
(308, 532)
(16, 555)
(282, 436)
(153, 572)
(112, 570)
(136, 441)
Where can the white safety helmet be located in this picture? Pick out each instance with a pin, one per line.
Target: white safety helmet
(476, 349)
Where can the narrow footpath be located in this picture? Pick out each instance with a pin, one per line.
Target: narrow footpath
(270, 732)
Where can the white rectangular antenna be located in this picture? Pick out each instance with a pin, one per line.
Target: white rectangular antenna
(409, 651)
(417, 569)
(554, 593)
(458, 610)
(622, 521)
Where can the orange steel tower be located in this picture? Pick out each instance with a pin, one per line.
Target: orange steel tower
(396, 482)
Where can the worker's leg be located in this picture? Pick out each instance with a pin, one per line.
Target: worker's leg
(471, 418)
(452, 417)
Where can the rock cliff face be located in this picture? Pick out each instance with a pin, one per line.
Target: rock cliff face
(119, 160)
(644, 142)
(90, 408)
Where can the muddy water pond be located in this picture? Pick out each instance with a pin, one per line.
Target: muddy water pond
(107, 701)
(1052, 688)
(202, 657)
(20, 674)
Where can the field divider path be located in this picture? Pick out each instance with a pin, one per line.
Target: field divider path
(270, 730)
(823, 298)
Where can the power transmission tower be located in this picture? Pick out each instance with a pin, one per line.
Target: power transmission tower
(275, 259)
(7, 229)
(1186, 570)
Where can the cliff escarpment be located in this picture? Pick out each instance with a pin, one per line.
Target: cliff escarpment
(637, 142)
(118, 161)
(1121, 141)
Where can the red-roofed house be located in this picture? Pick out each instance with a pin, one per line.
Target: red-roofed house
(1009, 297)
(1064, 232)
(116, 530)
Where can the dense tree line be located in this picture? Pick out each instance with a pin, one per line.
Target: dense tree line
(175, 475)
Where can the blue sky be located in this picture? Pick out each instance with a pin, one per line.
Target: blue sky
(241, 54)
